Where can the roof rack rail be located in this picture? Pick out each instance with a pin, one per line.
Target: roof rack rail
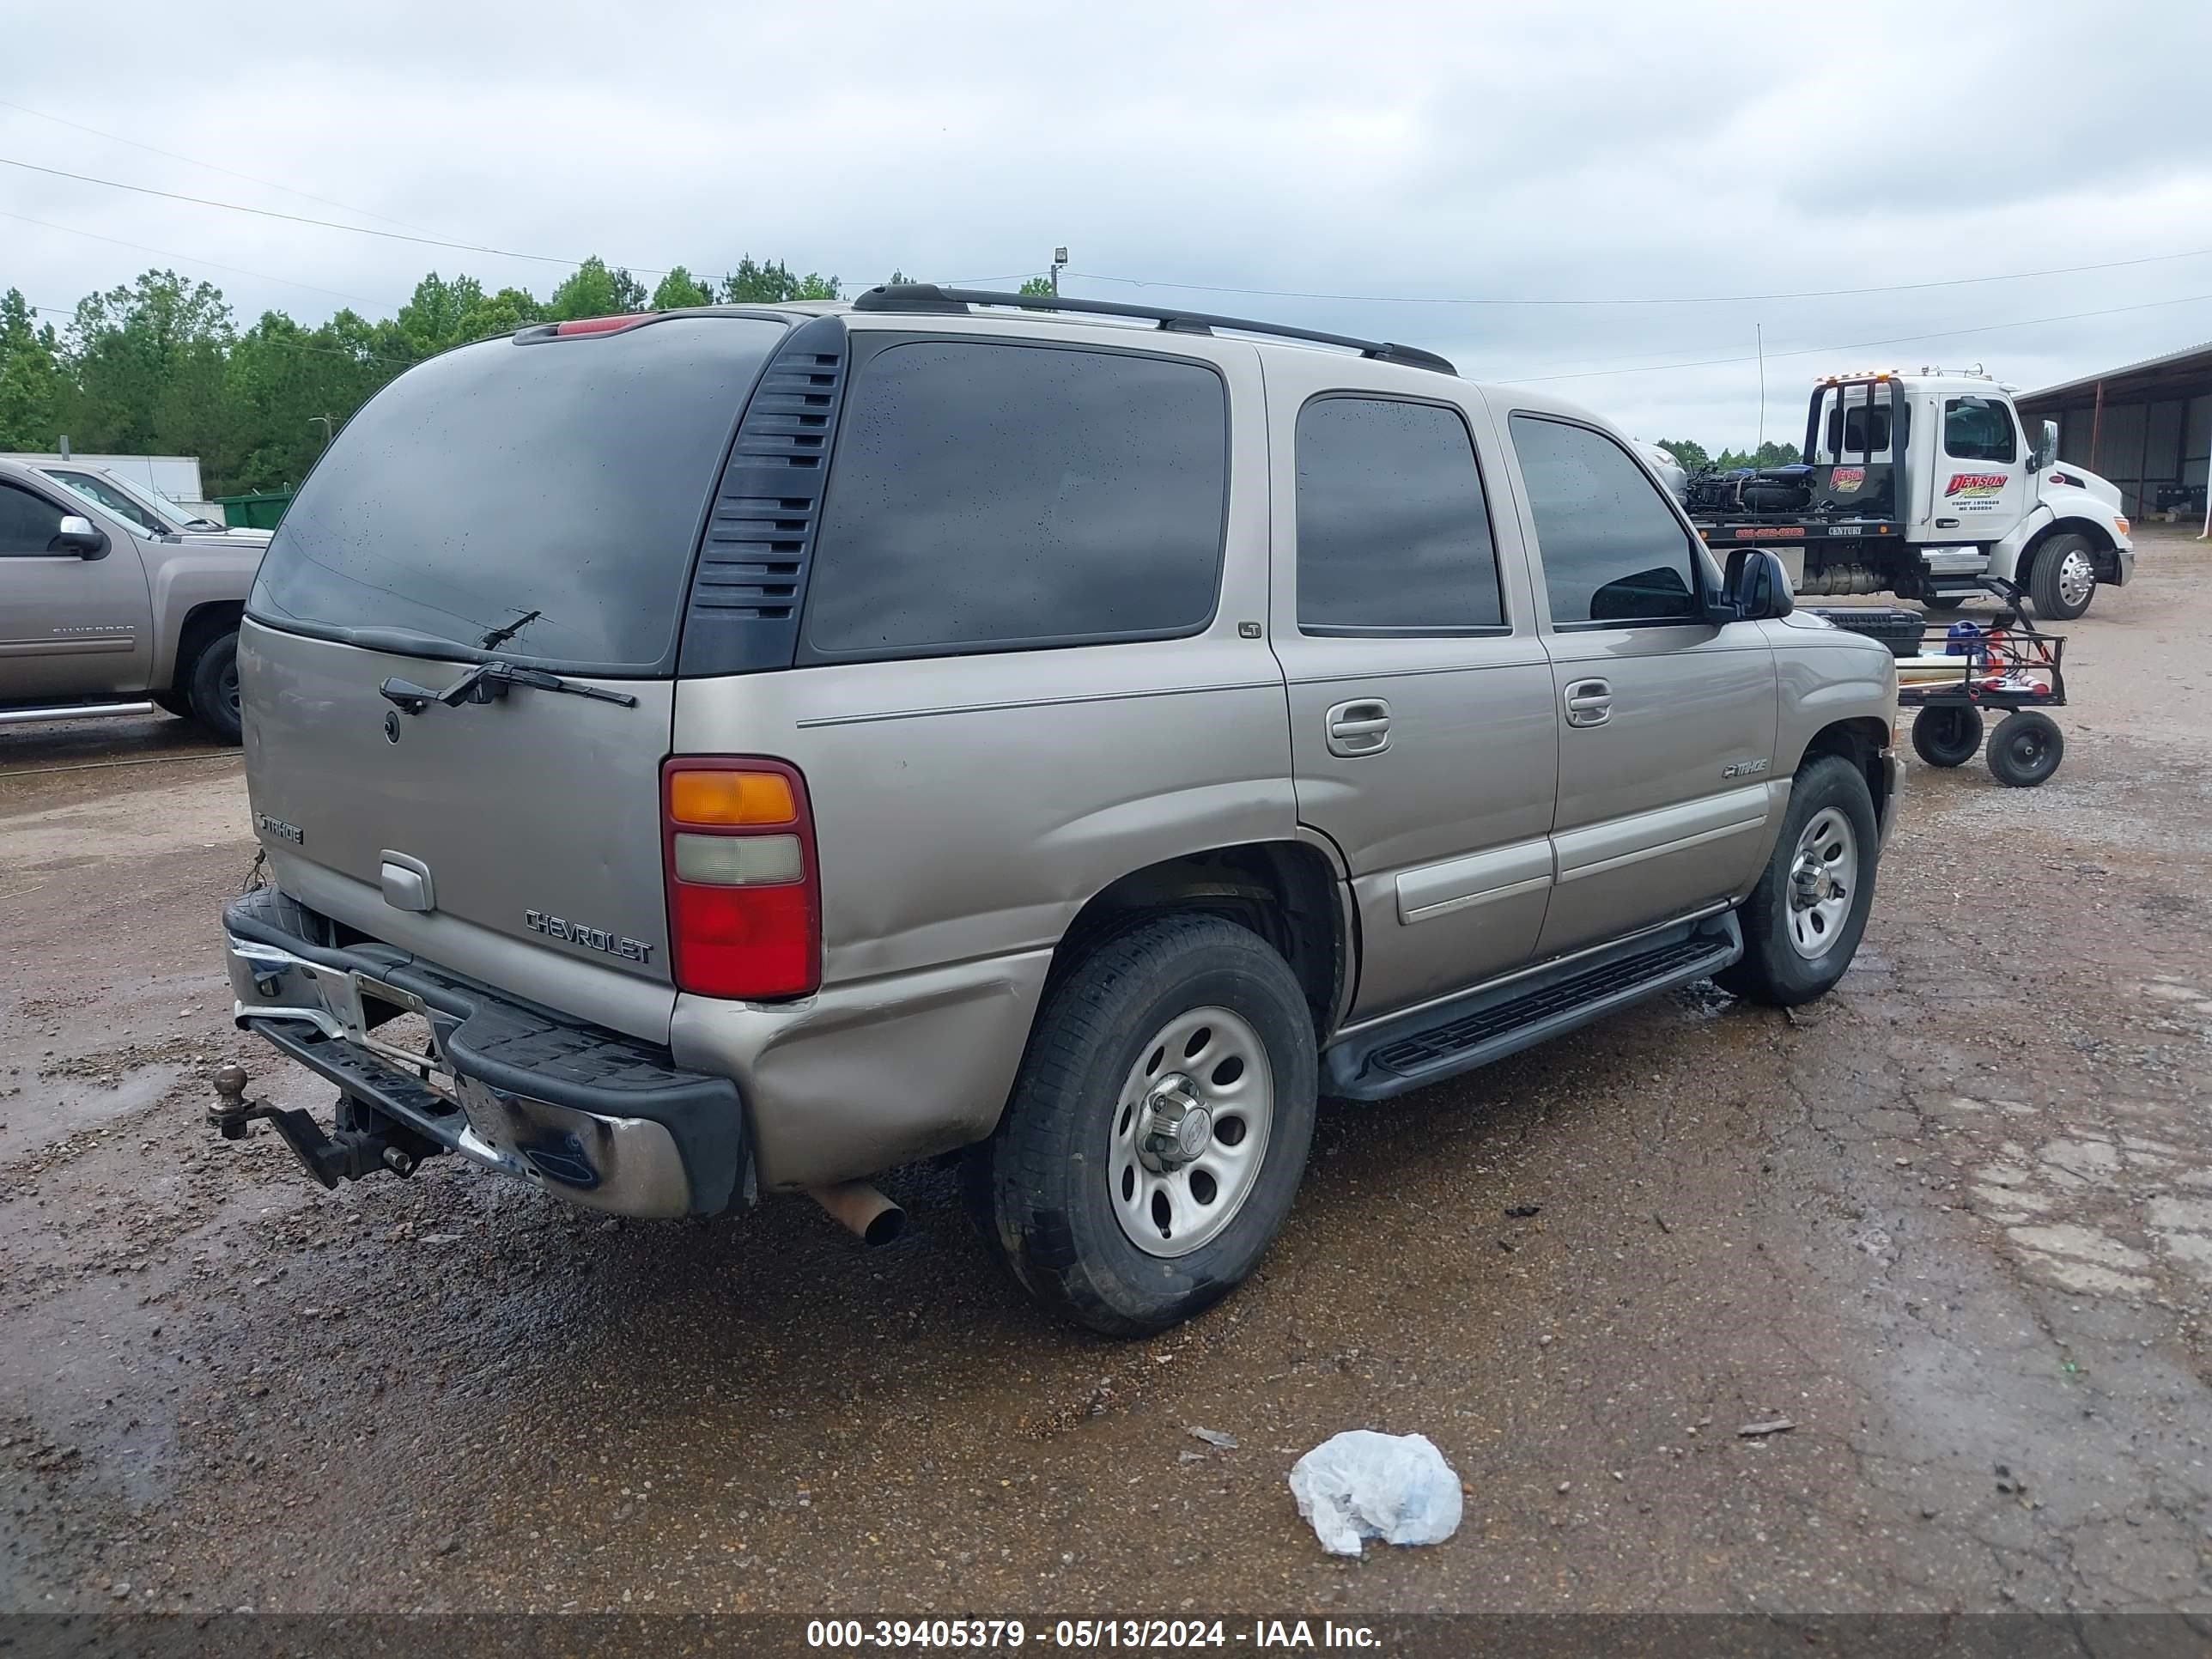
(930, 297)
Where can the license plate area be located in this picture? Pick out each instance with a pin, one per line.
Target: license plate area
(363, 992)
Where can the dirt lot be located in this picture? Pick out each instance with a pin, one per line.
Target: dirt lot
(1954, 1223)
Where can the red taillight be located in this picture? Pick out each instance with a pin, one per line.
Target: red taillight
(602, 324)
(744, 895)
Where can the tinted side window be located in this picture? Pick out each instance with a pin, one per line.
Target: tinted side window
(28, 525)
(1611, 551)
(1393, 529)
(988, 497)
(1978, 429)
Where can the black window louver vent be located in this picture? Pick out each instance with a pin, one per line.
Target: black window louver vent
(752, 574)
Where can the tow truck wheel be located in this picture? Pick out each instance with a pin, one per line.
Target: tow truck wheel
(2064, 579)
(1947, 734)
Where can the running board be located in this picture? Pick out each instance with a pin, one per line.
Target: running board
(75, 711)
(1417, 1049)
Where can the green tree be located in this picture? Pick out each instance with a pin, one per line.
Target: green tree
(772, 283)
(596, 290)
(1691, 453)
(30, 376)
(1035, 285)
(504, 313)
(146, 368)
(1768, 454)
(678, 289)
(440, 315)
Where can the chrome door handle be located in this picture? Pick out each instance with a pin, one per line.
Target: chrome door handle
(1589, 702)
(1361, 728)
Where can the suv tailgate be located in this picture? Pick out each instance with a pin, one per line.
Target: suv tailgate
(534, 820)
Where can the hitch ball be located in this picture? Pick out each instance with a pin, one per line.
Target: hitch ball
(227, 1111)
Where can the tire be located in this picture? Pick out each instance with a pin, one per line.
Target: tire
(1943, 601)
(1775, 968)
(1064, 1189)
(2027, 748)
(1947, 733)
(214, 683)
(2064, 579)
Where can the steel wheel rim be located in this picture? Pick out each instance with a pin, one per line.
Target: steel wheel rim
(2077, 577)
(226, 689)
(2028, 748)
(1824, 875)
(1175, 1184)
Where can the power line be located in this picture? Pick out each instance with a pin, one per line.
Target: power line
(164, 253)
(192, 160)
(1860, 345)
(1678, 299)
(326, 224)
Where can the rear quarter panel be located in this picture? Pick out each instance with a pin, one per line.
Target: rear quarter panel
(965, 808)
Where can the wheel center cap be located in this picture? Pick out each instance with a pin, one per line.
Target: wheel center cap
(1177, 1128)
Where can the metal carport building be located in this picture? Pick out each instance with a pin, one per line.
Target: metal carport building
(2148, 427)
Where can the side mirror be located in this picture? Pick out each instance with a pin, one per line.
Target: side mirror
(1758, 588)
(2046, 445)
(78, 535)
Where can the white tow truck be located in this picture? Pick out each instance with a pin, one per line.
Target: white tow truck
(1919, 485)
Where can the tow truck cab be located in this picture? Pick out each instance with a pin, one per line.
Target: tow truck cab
(1918, 486)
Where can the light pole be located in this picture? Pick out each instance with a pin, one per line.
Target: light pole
(328, 422)
(1059, 261)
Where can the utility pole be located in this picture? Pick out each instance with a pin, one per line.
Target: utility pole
(328, 422)
(1059, 261)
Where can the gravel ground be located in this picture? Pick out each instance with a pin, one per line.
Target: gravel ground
(1954, 1223)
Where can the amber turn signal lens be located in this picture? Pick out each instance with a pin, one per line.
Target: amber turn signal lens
(725, 797)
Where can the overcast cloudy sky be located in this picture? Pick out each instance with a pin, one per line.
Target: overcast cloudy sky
(1469, 150)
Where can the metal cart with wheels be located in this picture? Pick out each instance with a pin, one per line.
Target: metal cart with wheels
(1965, 667)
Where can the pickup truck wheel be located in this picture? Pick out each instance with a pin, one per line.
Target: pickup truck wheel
(1157, 1128)
(1801, 923)
(2064, 577)
(1947, 733)
(215, 687)
(1943, 601)
(2027, 748)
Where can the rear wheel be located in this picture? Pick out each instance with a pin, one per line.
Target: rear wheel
(214, 682)
(1157, 1128)
(2064, 577)
(1801, 923)
(2027, 748)
(1947, 734)
(1943, 601)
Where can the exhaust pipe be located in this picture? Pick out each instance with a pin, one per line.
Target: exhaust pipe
(866, 1214)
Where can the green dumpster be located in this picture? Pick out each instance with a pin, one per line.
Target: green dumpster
(258, 512)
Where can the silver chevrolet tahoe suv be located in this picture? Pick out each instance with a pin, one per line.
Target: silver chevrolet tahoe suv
(744, 750)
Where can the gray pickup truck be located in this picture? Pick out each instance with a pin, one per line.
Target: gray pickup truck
(744, 749)
(108, 606)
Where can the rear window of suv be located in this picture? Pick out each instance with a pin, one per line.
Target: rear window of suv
(569, 476)
(990, 498)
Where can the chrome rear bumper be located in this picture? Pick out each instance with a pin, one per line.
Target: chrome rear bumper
(600, 1119)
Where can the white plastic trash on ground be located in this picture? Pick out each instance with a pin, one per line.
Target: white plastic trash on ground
(1361, 1485)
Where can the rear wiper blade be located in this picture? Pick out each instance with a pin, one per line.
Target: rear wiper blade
(488, 680)
(501, 635)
